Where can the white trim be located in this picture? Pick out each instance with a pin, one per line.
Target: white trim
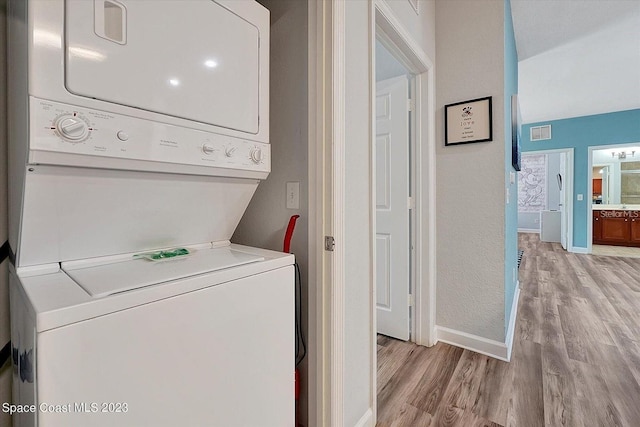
(373, 315)
(580, 250)
(529, 230)
(316, 350)
(492, 348)
(326, 378)
(337, 283)
(366, 420)
(512, 321)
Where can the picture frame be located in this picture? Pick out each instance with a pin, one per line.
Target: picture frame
(468, 121)
(516, 133)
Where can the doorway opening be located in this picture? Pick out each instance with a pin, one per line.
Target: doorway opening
(394, 184)
(545, 195)
(402, 184)
(613, 216)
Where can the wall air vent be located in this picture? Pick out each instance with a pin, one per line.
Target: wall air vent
(539, 133)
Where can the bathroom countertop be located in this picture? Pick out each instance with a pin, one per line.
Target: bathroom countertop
(616, 207)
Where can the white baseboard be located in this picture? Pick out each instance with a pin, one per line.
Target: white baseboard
(366, 420)
(529, 230)
(512, 321)
(492, 348)
(579, 250)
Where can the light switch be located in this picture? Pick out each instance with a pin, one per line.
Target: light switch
(293, 195)
(579, 197)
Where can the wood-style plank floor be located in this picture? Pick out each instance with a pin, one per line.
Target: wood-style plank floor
(575, 360)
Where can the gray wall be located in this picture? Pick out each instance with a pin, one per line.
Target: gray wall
(5, 372)
(470, 219)
(264, 223)
(387, 66)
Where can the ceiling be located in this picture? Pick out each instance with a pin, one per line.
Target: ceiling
(577, 57)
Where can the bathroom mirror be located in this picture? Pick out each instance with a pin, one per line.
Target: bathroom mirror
(616, 176)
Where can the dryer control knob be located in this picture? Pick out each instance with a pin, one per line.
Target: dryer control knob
(207, 148)
(229, 151)
(72, 128)
(256, 155)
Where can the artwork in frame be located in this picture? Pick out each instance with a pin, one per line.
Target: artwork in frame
(468, 121)
(516, 133)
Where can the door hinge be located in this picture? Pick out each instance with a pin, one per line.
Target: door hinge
(411, 203)
(329, 243)
(411, 300)
(411, 105)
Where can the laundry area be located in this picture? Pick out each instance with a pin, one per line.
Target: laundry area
(134, 151)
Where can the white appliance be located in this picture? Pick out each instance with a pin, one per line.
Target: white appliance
(550, 226)
(136, 127)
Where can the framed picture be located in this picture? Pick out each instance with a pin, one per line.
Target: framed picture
(468, 121)
(515, 133)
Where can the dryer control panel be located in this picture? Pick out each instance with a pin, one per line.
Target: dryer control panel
(62, 128)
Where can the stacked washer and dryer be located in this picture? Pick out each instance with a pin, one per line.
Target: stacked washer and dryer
(139, 132)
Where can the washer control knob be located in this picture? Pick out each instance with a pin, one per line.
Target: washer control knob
(256, 155)
(229, 151)
(207, 148)
(122, 135)
(72, 128)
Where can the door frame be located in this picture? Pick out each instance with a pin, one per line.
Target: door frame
(326, 89)
(387, 28)
(568, 182)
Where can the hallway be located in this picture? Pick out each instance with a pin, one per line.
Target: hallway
(575, 361)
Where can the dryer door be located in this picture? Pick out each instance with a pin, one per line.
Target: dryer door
(178, 58)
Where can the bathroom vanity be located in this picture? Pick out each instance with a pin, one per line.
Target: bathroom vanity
(616, 225)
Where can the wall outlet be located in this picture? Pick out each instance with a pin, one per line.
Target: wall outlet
(293, 195)
(580, 197)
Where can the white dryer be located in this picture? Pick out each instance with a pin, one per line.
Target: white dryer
(141, 127)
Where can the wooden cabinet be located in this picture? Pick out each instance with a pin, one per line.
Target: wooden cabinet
(597, 227)
(615, 230)
(597, 186)
(635, 231)
(621, 228)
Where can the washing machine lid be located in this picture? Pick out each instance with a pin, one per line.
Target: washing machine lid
(178, 58)
(108, 279)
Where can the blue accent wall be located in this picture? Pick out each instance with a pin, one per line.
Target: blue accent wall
(511, 208)
(580, 133)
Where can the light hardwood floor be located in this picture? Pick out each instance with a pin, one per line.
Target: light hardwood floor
(575, 361)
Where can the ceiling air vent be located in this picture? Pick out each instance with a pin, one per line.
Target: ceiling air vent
(539, 133)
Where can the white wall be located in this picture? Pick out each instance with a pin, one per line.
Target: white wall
(265, 221)
(470, 219)
(5, 334)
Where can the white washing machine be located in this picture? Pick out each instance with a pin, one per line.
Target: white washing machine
(138, 135)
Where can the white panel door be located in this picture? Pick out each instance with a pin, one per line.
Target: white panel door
(392, 209)
(563, 200)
